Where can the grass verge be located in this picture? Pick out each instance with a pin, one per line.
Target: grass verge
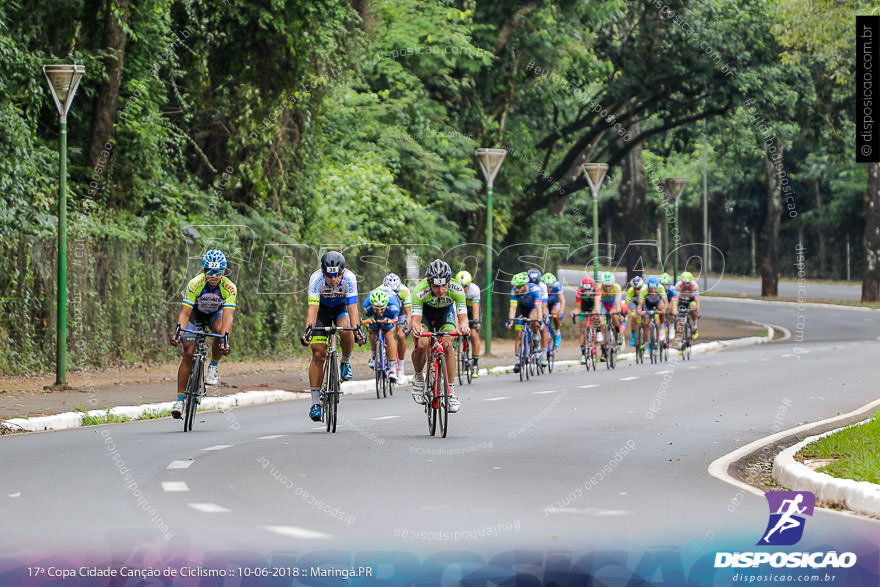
(873, 305)
(856, 451)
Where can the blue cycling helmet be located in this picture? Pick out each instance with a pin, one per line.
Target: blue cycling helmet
(653, 281)
(534, 275)
(214, 259)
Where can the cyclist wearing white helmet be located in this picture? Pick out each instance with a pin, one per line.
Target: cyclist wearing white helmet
(209, 301)
(689, 297)
(472, 301)
(404, 318)
(610, 293)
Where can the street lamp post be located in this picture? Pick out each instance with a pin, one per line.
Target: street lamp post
(595, 173)
(489, 161)
(674, 186)
(63, 82)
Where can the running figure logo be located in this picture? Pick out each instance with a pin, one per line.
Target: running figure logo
(786, 527)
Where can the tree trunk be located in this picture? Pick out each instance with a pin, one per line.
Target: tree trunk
(632, 196)
(871, 282)
(770, 236)
(107, 100)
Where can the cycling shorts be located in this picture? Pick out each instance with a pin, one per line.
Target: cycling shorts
(202, 321)
(328, 316)
(608, 306)
(439, 319)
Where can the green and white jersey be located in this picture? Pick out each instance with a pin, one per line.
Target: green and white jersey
(423, 296)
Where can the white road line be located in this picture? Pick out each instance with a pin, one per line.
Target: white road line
(271, 436)
(218, 447)
(297, 532)
(180, 464)
(548, 391)
(787, 356)
(208, 508)
(588, 386)
(324, 427)
(589, 511)
(629, 378)
(385, 418)
(174, 486)
(495, 399)
(664, 372)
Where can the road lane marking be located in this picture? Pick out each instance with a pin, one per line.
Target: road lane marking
(385, 418)
(495, 399)
(319, 428)
(271, 436)
(180, 464)
(218, 447)
(548, 391)
(629, 378)
(208, 508)
(297, 532)
(174, 486)
(588, 386)
(664, 372)
(589, 511)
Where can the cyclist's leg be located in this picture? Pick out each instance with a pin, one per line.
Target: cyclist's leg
(542, 327)
(401, 342)
(391, 349)
(450, 325)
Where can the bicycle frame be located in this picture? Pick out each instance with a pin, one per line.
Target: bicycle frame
(437, 403)
(331, 381)
(197, 372)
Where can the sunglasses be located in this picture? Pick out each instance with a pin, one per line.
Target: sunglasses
(214, 272)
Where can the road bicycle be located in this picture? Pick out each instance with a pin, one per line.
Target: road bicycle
(384, 385)
(331, 382)
(608, 340)
(464, 357)
(687, 329)
(590, 349)
(655, 348)
(437, 384)
(551, 345)
(195, 384)
(529, 349)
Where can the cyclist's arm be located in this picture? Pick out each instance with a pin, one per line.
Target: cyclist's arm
(311, 314)
(183, 317)
(476, 310)
(353, 315)
(512, 311)
(562, 303)
(226, 321)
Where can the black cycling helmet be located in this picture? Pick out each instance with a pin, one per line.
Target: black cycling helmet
(534, 275)
(332, 263)
(438, 272)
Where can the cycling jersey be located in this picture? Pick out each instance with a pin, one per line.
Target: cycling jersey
(544, 292)
(632, 294)
(422, 296)
(472, 294)
(670, 293)
(391, 310)
(553, 293)
(527, 299)
(405, 296)
(652, 298)
(610, 295)
(206, 299)
(343, 294)
(687, 291)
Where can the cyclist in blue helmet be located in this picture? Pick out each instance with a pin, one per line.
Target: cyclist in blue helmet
(209, 301)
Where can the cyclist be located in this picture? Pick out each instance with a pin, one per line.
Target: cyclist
(380, 304)
(525, 300)
(472, 301)
(534, 276)
(209, 301)
(439, 301)
(672, 302)
(555, 305)
(610, 294)
(404, 318)
(631, 300)
(651, 297)
(587, 298)
(689, 295)
(332, 299)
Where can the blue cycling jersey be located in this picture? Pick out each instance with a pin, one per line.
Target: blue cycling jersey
(391, 310)
(670, 292)
(553, 293)
(526, 300)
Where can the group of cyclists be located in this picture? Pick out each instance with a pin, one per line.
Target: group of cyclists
(438, 303)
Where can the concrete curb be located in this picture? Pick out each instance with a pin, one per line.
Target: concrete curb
(69, 420)
(858, 496)
(734, 298)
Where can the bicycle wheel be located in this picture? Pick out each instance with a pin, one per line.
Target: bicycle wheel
(193, 387)
(685, 339)
(430, 408)
(468, 362)
(653, 343)
(377, 369)
(640, 352)
(459, 360)
(443, 398)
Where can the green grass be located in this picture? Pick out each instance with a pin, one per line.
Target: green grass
(857, 450)
(105, 418)
(873, 305)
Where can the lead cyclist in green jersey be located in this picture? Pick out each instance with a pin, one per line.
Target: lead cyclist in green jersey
(438, 304)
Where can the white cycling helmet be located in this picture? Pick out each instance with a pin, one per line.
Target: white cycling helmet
(392, 281)
(607, 278)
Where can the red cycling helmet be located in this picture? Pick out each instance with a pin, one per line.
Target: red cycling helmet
(587, 281)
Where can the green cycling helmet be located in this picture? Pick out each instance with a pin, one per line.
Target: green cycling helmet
(665, 279)
(549, 278)
(519, 280)
(464, 278)
(378, 299)
(687, 277)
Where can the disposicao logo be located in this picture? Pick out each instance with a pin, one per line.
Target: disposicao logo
(785, 528)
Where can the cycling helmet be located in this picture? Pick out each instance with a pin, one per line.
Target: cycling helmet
(464, 278)
(588, 281)
(687, 277)
(438, 272)
(333, 263)
(534, 275)
(378, 299)
(607, 278)
(665, 279)
(653, 281)
(214, 259)
(392, 281)
(549, 278)
(638, 282)
(519, 280)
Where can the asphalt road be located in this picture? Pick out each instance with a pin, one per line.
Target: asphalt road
(609, 459)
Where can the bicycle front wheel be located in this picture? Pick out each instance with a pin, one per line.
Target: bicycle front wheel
(193, 388)
(468, 362)
(443, 398)
(430, 408)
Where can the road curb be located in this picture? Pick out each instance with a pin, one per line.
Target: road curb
(69, 420)
(861, 497)
(733, 298)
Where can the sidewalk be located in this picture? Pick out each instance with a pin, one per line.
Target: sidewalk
(24, 396)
